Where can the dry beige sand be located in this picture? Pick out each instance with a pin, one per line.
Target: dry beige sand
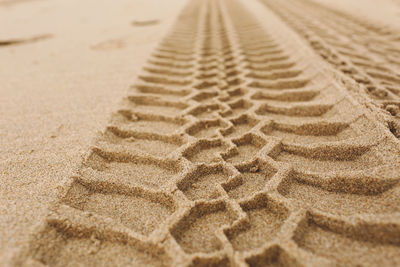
(386, 12)
(253, 133)
(58, 92)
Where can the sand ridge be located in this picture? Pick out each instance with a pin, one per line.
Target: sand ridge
(366, 52)
(52, 107)
(237, 146)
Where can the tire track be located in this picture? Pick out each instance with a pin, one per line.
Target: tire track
(363, 51)
(234, 147)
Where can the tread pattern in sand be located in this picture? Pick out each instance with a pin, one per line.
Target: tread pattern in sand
(234, 148)
(362, 50)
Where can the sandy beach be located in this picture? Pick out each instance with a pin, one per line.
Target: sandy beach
(199, 133)
(58, 92)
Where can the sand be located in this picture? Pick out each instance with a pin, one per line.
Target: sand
(56, 93)
(253, 134)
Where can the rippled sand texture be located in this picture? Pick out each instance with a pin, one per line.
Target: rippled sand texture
(259, 133)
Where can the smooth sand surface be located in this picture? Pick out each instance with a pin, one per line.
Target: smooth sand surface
(387, 12)
(56, 93)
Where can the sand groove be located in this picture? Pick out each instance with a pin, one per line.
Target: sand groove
(233, 150)
(363, 51)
